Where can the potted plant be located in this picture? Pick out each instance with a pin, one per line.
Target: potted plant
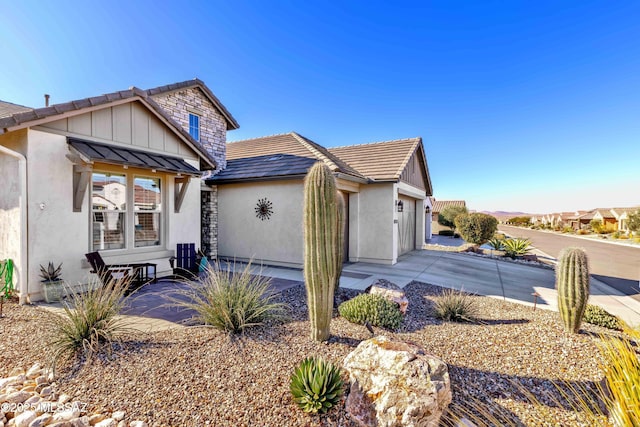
(52, 283)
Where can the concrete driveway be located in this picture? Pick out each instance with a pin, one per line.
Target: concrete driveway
(486, 276)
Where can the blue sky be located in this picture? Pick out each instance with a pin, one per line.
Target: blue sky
(529, 106)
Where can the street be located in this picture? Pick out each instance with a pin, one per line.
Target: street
(616, 265)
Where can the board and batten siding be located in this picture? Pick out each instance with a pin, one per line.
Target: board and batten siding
(129, 123)
(413, 173)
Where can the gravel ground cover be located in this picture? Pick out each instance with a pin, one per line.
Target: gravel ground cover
(201, 376)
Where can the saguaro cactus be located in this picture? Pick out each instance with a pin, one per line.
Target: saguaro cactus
(572, 282)
(320, 247)
(340, 205)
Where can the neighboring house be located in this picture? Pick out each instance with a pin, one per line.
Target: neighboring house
(603, 215)
(118, 173)
(260, 193)
(437, 207)
(622, 216)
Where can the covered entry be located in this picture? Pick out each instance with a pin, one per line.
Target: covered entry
(406, 224)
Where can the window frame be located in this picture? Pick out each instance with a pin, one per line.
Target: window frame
(194, 126)
(130, 213)
(158, 210)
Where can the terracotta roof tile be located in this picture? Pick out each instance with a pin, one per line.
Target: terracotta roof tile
(7, 109)
(439, 205)
(379, 160)
(288, 143)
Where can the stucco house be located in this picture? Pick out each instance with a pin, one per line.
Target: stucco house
(385, 186)
(119, 173)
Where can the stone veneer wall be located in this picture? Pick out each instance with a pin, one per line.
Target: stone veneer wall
(213, 137)
(213, 126)
(209, 222)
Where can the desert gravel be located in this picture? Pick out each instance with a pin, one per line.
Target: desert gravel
(201, 376)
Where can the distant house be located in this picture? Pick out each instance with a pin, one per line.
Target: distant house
(385, 187)
(622, 216)
(437, 207)
(119, 173)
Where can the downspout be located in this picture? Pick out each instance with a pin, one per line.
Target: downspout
(24, 253)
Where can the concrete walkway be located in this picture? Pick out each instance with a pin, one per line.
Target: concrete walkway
(485, 276)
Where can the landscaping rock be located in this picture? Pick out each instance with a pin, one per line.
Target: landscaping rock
(396, 384)
(109, 422)
(41, 421)
(390, 291)
(25, 418)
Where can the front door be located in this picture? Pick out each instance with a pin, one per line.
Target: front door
(407, 225)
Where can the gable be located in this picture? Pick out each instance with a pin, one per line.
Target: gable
(129, 123)
(414, 172)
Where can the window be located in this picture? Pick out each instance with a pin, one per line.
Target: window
(194, 126)
(113, 226)
(147, 206)
(108, 211)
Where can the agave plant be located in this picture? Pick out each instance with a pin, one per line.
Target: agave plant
(516, 247)
(50, 273)
(316, 385)
(496, 244)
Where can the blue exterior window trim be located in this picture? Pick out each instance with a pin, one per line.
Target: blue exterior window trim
(194, 126)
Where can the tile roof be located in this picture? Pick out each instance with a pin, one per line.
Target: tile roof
(8, 109)
(288, 143)
(270, 166)
(231, 122)
(439, 205)
(38, 115)
(379, 160)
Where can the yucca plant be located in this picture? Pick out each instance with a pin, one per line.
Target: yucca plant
(516, 247)
(316, 385)
(456, 306)
(230, 300)
(90, 321)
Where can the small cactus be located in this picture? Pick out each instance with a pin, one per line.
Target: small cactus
(316, 385)
(572, 283)
(321, 240)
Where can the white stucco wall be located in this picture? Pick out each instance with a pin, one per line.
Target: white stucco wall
(241, 235)
(11, 203)
(377, 233)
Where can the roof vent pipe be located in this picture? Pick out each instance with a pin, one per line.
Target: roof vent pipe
(46, 99)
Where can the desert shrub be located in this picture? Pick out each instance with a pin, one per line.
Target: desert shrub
(623, 237)
(456, 306)
(582, 232)
(90, 321)
(516, 247)
(448, 215)
(230, 301)
(601, 317)
(375, 309)
(316, 385)
(448, 233)
(477, 227)
(519, 221)
(567, 229)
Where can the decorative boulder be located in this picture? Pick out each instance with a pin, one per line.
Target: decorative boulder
(390, 291)
(396, 384)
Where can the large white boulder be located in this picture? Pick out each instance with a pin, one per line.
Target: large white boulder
(396, 384)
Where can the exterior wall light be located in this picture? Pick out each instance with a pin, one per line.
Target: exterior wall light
(400, 205)
(427, 210)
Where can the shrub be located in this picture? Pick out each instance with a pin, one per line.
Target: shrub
(456, 306)
(582, 232)
(477, 227)
(448, 216)
(520, 221)
(230, 301)
(375, 309)
(316, 385)
(90, 321)
(567, 229)
(448, 233)
(516, 247)
(601, 317)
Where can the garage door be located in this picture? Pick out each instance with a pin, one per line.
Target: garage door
(407, 225)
